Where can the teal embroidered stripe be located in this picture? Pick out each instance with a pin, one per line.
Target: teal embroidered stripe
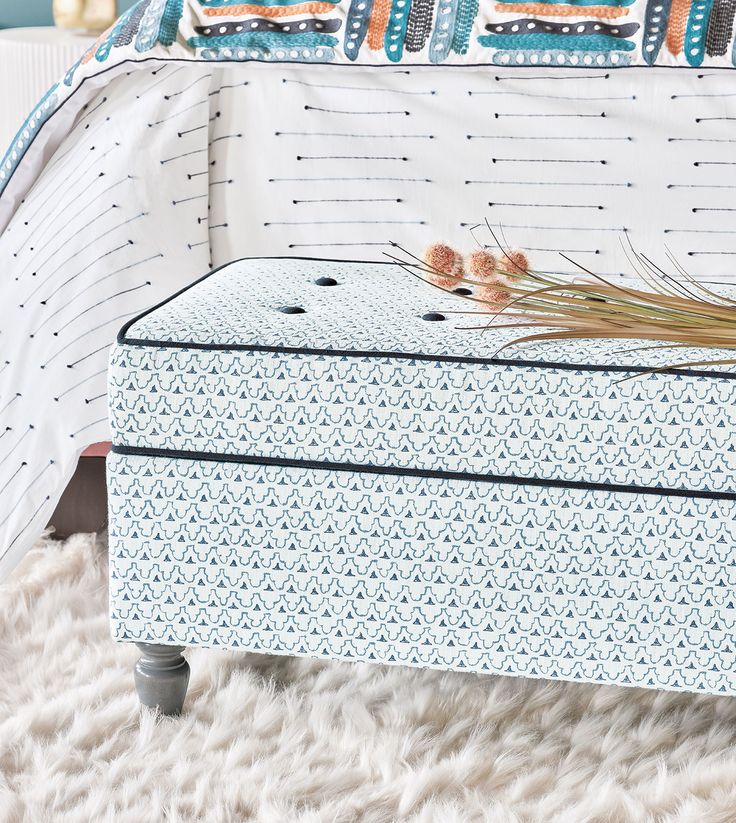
(563, 42)
(263, 40)
(444, 30)
(655, 28)
(466, 13)
(150, 25)
(170, 22)
(697, 28)
(393, 41)
(356, 26)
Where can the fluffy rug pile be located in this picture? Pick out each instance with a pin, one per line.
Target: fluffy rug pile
(299, 741)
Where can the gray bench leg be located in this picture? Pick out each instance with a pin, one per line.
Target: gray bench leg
(161, 677)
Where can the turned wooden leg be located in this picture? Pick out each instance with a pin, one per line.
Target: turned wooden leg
(161, 677)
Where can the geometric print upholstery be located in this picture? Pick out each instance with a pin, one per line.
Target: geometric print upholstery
(358, 481)
(360, 377)
(570, 584)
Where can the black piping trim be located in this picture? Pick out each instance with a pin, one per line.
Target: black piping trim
(433, 474)
(123, 339)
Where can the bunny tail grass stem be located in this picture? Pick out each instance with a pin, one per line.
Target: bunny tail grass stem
(669, 311)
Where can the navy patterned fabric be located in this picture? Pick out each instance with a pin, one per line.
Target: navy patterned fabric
(342, 382)
(544, 582)
(349, 480)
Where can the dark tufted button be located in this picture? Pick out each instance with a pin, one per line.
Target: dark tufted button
(326, 281)
(464, 290)
(292, 310)
(433, 316)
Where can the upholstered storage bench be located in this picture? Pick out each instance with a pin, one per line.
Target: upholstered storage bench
(315, 458)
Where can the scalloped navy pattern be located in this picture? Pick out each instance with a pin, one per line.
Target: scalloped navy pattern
(319, 394)
(563, 584)
(316, 482)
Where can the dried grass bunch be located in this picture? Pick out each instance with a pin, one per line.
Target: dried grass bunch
(674, 311)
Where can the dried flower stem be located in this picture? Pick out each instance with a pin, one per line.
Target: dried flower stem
(678, 312)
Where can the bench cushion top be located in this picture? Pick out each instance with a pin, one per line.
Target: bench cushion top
(363, 364)
(375, 307)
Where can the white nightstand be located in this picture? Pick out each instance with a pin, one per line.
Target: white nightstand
(30, 61)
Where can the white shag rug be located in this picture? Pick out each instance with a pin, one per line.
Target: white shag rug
(300, 741)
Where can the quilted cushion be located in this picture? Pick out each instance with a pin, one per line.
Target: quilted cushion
(324, 362)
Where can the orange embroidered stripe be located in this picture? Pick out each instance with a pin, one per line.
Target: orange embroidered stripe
(548, 10)
(270, 11)
(677, 25)
(377, 26)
